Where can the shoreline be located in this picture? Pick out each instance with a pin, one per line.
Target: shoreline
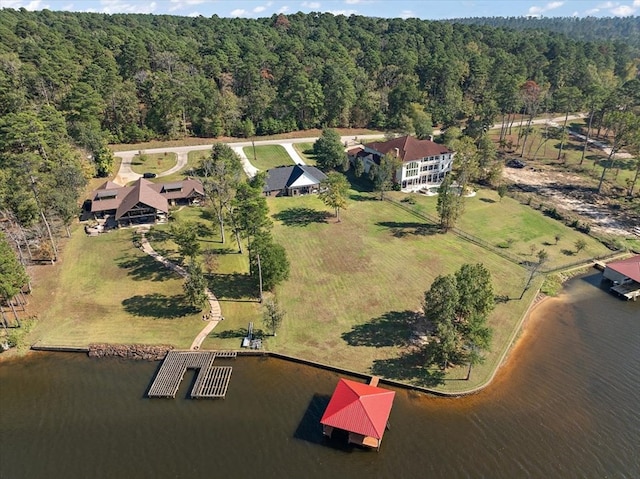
(507, 357)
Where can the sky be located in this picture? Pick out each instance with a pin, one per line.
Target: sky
(424, 9)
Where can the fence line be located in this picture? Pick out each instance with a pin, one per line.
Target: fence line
(499, 251)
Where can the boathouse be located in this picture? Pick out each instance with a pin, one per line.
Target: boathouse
(362, 410)
(625, 276)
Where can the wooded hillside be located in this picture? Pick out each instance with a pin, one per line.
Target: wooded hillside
(127, 78)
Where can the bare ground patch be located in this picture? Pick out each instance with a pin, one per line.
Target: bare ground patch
(574, 195)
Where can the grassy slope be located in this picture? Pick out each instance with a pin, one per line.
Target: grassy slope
(495, 222)
(268, 156)
(305, 150)
(355, 284)
(107, 290)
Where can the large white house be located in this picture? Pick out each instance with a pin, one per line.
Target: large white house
(424, 163)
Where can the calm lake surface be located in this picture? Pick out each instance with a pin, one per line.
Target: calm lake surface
(565, 405)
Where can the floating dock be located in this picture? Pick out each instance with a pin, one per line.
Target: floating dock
(211, 381)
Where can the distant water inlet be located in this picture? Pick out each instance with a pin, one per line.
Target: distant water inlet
(211, 381)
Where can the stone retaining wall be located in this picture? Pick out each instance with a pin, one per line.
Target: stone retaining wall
(130, 351)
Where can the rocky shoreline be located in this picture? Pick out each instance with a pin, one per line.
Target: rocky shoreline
(142, 352)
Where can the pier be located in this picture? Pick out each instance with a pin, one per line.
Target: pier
(211, 381)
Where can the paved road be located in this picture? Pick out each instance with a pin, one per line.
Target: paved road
(126, 174)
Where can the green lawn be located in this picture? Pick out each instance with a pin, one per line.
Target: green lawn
(351, 299)
(355, 286)
(153, 162)
(514, 228)
(106, 290)
(305, 150)
(268, 156)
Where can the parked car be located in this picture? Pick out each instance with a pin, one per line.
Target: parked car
(515, 163)
(149, 175)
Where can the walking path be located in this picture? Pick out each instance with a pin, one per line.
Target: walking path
(215, 315)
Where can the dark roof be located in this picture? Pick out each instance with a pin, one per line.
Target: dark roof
(286, 176)
(188, 188)
(629, 267)
(141, 192)
(359, 408)
(110, 196)
(409, 148)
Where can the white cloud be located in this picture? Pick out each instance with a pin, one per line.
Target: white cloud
(311, 5)
(553, 5)
(16, 4)
(283, 9)
(636, 3)
(407, 14)
(606, 5)
(536, 10)
(353, 2)
(180, 4)
(238, 12)
(592, 11)
(118, 6)
(259, 9)
(623, 11)
(346, 13)
(194, 14)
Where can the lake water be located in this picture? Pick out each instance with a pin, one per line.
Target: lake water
(565, 405)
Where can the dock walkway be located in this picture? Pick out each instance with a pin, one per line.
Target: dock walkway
(211, 381)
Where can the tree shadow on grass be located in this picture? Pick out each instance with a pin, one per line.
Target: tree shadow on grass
(155, 235)
(487, 200)
(236, 333)
(232, 286)
(567, 252)
(417, 366)
(363, 197)
(158, 306)
(402, 229)
(393, 328)
(301, 216)
(145, 268)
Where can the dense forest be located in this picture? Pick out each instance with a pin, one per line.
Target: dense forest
(71, 83)
(625, 29)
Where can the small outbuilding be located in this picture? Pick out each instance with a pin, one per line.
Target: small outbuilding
(362, 410)
(625, 276)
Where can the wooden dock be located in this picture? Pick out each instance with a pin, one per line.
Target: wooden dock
(211, 381)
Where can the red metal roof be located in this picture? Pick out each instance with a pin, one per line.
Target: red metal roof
(359, 408)
(629, 267)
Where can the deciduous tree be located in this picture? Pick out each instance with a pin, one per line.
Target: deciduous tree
(333, 191)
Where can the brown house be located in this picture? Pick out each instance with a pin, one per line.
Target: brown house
(144, 201)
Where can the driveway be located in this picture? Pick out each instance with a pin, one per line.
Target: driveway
(126, 175)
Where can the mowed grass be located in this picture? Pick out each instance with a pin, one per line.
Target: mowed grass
(305, 150)
(153, 162)
(106, 290)
(268, 156)
(514, 228)
(228, 277)
(355, 286)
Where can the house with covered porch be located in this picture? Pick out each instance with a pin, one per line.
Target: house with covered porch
(142, 202)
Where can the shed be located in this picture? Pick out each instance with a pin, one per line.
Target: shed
(362, 410)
